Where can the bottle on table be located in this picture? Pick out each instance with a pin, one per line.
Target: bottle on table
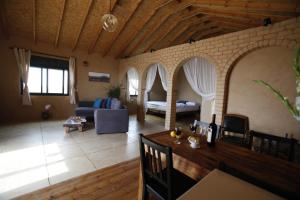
(212, 132)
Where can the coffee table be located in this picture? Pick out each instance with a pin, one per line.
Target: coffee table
(74, 122)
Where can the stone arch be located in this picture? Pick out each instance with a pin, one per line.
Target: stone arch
(142, 86)
(171, 113)
(237, 56)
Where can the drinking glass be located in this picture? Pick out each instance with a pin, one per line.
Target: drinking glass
(178, 132)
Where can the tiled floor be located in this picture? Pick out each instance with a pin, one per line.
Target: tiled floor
(35, 155)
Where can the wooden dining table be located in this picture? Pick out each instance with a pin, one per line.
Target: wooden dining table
(283, 175)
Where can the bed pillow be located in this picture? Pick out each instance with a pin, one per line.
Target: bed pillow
(181, 101)
(190, 103)
(97, 103)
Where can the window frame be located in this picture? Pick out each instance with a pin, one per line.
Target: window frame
(63, 69)
(47, 83)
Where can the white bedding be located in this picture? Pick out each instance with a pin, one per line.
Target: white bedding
(180, 107)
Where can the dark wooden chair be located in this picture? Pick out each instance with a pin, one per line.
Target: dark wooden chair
(159, 177)
(236, 124)
(273, 145)
(253, 180)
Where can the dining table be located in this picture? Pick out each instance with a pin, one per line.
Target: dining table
(282, 175)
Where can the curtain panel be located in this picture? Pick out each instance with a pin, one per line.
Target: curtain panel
(201, 76)
(149, 82)
(23, 62)
(72, 71)
(163, 76)
(133, 81)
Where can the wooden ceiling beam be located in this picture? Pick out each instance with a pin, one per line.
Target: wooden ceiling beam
(164, 42)
(4, 24)
(99, 32)
(85, 16)
(34, 20)
(154, 23)
(128, 35)
(239, 15)
(249, 23)
(122, 29)
(188, 19)
(62, 13)
(233, 24)
(251, 6)
(207, 32)
(190, 32)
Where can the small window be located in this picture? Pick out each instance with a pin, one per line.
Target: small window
(48, 76)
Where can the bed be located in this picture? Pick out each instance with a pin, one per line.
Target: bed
(181, 107)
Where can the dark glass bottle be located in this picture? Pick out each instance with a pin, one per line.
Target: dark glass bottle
(212, 132)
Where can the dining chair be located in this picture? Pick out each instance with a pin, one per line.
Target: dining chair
(159, 177)
(273, 145)
(253, 180)
(236, 124)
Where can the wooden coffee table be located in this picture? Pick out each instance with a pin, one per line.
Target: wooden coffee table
(74, 122)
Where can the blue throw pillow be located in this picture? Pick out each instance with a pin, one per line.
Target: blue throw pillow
(97, 103)
(108, 103)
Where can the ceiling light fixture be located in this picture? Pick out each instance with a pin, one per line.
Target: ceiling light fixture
(109, 21)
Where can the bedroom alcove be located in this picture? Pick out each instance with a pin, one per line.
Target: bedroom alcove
(129, 90)
(195, 87)
(155, 95)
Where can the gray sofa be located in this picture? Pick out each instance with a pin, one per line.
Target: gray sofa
(106, 120)
(111, 121)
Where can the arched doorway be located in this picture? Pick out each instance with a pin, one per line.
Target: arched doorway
(129, 90)
(195, 88)
(155, 93)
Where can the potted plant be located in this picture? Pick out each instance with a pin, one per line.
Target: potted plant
(293, 109)
(114, 92)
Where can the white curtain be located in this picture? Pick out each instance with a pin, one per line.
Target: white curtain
(133, 81)
(201, 75)
(149, 82)
(72, 80)
(23, 62)
(163, 76)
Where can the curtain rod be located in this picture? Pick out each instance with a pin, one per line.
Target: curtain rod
(43, 54)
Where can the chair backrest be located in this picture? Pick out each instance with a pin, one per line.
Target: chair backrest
(206, 125)
(235, 123)
(153, 168)
(273, 145)
(250, 179)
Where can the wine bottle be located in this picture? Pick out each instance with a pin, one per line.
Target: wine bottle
(212, 132)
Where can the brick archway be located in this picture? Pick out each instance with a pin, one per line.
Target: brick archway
(230, 64)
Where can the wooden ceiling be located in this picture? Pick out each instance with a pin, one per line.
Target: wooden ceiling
(144, 25)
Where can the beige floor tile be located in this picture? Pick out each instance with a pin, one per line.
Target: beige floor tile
(55, 153)
(42, 154)
(24, 181)
(69, 168)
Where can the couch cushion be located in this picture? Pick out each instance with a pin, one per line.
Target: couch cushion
(115, 104)
(97, 103)
(85, 111)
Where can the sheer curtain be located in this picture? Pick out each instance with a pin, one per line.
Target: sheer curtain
(149, 82)
(163, 76)
(23, 62)
(72, 80)
(201, 75)
(133, 81)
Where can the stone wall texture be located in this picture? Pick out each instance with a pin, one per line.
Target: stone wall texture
(224, 51)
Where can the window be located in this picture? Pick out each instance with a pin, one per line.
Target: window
(48, 76)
